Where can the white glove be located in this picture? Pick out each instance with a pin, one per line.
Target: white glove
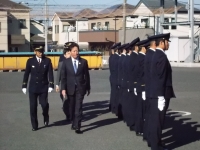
(50, 90)
(144, 96)
(135, 91)
(161, 103)
(24, 90)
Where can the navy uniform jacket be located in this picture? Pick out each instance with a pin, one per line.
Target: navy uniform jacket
(140, 86)
(147, 69)
(126, 70)
(114, 69)
(41, 75)
(131, 82)
(111, 66)
(120, 69)
(161, 76)
(70, 79)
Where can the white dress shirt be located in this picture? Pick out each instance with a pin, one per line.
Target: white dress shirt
(39, 59)
(152, 49)
(142, 53)
(135, 52)
(77, 62)
(161, 50)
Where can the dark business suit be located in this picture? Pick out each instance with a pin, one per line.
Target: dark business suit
(147, 77)
(76, 86)
(140, 87)
(161, 85)
(64, 100)
(41, 79)
(131, 83)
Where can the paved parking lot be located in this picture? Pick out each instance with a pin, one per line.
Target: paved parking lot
(102, 131)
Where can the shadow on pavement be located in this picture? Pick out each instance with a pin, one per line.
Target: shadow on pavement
(100, 123)
(91, 110)
(181, 131)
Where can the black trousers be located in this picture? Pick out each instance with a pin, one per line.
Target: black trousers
(114, 101)
(120, 100)
(146, 118)
(156, 123)
(43, 101)
(140, 111)
(65, 106)
(75, 108)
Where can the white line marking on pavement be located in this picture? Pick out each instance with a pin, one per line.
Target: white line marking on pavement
(182, 113)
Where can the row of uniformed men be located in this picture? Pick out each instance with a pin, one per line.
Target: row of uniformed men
(141, 86)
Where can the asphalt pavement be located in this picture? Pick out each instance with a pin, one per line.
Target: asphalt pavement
(102, 130)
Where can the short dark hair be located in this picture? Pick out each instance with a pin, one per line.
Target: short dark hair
(72, 45)
(158, 41)
(139, 48)
(65, 50)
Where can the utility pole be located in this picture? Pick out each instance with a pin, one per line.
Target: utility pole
(192, 31)
(124, 22)
(162, 3)
(46, 45)
(115, 29)
(175, 8)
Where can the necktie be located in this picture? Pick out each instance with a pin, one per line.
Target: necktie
(39, 60)
(75, 67)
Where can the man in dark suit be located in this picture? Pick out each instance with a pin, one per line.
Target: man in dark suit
(114, 79)
(41, 82)
(161, 90)
(131, 83)
(66, 54)
(111, 68)
(140, 88)
(147, 68)
(75, 83)
(120, 79)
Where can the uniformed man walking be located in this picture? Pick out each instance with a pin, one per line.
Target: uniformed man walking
(41, 82)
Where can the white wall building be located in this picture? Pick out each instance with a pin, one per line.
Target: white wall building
(146, 15)
(67, 30)
(14, 27)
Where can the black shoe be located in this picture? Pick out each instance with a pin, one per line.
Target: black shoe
(131, 128)
(148, 144)
(34, 129)
(144, 139)
(46, 123)
(78, 131)
(139, 134)
(73, 127)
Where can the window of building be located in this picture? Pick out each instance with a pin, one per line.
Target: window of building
(65, 28)
(173, 27)
(166, 20)
(145, 22)
(22, 23)
(9, 20)
(107, 24)
(13, 49)
(93, 25)
(56, 28)
(98, 25)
